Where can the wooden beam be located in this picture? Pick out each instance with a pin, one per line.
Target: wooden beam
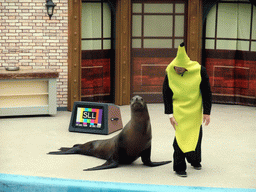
(194, 34)
(123, 52)
(74, 52)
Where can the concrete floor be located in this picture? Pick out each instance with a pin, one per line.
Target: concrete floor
(228, 150)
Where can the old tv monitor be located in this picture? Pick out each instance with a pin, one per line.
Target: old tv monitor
(92, 117)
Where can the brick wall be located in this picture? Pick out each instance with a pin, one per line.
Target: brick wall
(29, 39)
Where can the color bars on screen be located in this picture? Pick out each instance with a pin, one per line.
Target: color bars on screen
(89, 117)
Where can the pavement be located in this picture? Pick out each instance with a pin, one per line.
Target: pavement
(228, 150)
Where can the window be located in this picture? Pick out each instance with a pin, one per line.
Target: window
(157, 25)
(96, 26)
(233, 29)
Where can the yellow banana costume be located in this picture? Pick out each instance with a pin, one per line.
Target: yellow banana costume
(187, 100)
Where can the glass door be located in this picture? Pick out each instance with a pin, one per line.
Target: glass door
(230, 47)
(97, 52)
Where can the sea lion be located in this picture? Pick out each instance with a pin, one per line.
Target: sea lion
(132, 142)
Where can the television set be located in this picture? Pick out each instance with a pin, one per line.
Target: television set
(98, 118)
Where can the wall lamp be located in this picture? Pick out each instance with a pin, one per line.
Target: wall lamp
(50, 7)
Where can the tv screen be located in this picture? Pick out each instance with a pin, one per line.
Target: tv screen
(89, 117)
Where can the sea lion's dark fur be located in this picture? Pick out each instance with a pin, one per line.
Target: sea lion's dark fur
(132, 142)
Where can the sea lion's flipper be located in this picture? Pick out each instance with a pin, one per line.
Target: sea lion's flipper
(145, 156)
(154, 164)
(66, 151)
(108, 165)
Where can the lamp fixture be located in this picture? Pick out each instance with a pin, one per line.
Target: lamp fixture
(50, 7)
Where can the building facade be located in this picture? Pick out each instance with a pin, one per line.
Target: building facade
(110, 50)
(30, 40)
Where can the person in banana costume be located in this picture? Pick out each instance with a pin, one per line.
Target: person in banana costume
(187, 100)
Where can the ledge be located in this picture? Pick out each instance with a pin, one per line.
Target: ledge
(28, 74)
(22, 183)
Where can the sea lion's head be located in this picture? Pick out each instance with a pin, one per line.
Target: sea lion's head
(138, 103)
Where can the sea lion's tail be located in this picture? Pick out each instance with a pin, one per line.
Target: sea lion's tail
(67, 151)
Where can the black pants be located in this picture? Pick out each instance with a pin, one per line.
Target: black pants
(193, 157)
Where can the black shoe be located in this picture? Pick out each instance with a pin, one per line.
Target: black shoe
(181, 173)
(197, 167)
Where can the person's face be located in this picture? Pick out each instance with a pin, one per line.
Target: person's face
(179, 70)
